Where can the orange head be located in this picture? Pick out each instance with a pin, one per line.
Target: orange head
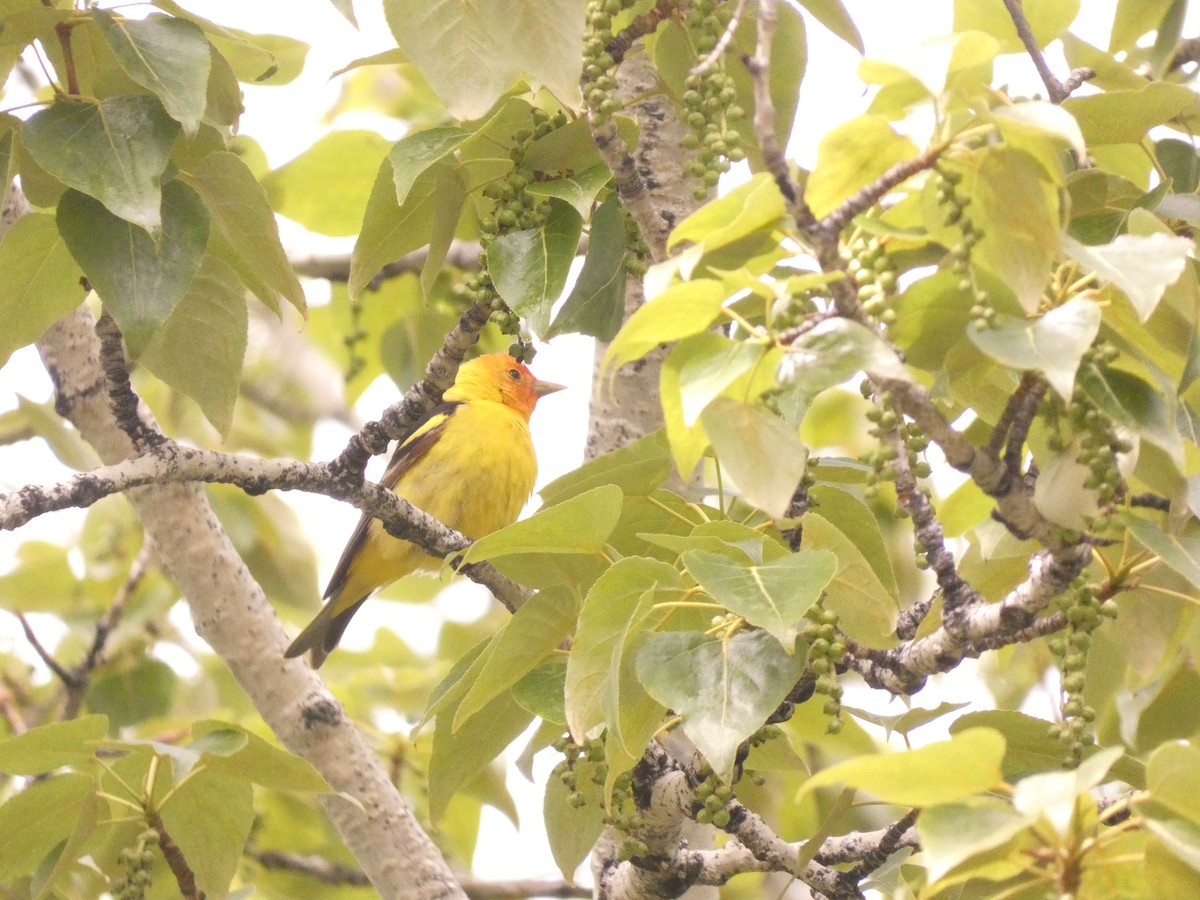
(499, 378)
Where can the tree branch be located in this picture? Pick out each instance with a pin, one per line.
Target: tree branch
(232, 615)
(1057, 90)
(759, 67)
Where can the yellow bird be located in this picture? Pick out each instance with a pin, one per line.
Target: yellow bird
(470, 464)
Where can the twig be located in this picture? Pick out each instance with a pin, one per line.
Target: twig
(462, 255)
(176, 861)
(397, 421)
(640, 27)
(121, 398)
(10, 707)
(64, 675)
(956, 593)
(722, 44)
(1006, 437)
(1057, 90)
(893, 839)
(759, 67)
(1151, 501)
(833, 223)
(77, 688)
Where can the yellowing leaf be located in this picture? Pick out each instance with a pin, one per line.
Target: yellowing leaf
(852, 156)
(760, 452)
(968, 763)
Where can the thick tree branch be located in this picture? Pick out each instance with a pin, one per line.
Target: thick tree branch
(232, 615)
(172, 463)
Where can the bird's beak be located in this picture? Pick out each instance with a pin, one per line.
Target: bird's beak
(542, 388)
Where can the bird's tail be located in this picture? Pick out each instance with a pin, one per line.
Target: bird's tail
(322, 634)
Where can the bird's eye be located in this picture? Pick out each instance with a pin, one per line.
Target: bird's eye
(514, 374)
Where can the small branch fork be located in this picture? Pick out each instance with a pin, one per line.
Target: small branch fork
(1058, 90)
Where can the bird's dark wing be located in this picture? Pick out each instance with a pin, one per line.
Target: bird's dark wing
(426, 434)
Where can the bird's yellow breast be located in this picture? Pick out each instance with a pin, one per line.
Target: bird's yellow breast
(475, 478)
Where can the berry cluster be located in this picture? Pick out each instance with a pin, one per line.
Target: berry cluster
(599, 82)
(625, 817)
(713, 798)
(136, 861)
(636, 251)
(825, 650)
(1084, 612)
(1099, 441)
(574, 756)
(869, 264)
(886, 423)
(513, 209)
(710, 102)
(983, 314)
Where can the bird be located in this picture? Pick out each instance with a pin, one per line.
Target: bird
(470, 464)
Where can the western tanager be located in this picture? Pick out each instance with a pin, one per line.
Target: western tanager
(470, 464)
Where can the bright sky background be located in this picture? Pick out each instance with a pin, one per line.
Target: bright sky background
(286, 120)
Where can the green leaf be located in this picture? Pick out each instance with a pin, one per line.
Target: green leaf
(596, 304)
(1024, 125)
(572, 829)
(836, 350)
(600, 685)
(134, 692)
(865, 606)
(952, 833)
(1133, 19)
(747, 209)
(39, 818)
(678, 312)
(1053, 344)
(774, 595)
(540, 691)
(1173, 779)
(199, 349)
(850, 157)
(931, 67)
(255, 760)
(532, 634)
(244, 221)
(390, 230)
(530, 267)
(638, 469)
(968, 763)
(1135, 404)
(833, 15)
(907, 721)
(471, 59)
(326, 187)
(1018, 211)
(579, 188)
(1046, 20)
(415, 153)
(47, 747)
(140, 279)
(1125, 116)
(163, 54)
(41, 281)
(759, 451)
(579, 525)
(115, 151)
(1055, 795)
(723, 688)
(850, 515)
(1029, 746)
(1181, 552)
(209, 816)
(457, 757)
(933, 315)
(1142, 266)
